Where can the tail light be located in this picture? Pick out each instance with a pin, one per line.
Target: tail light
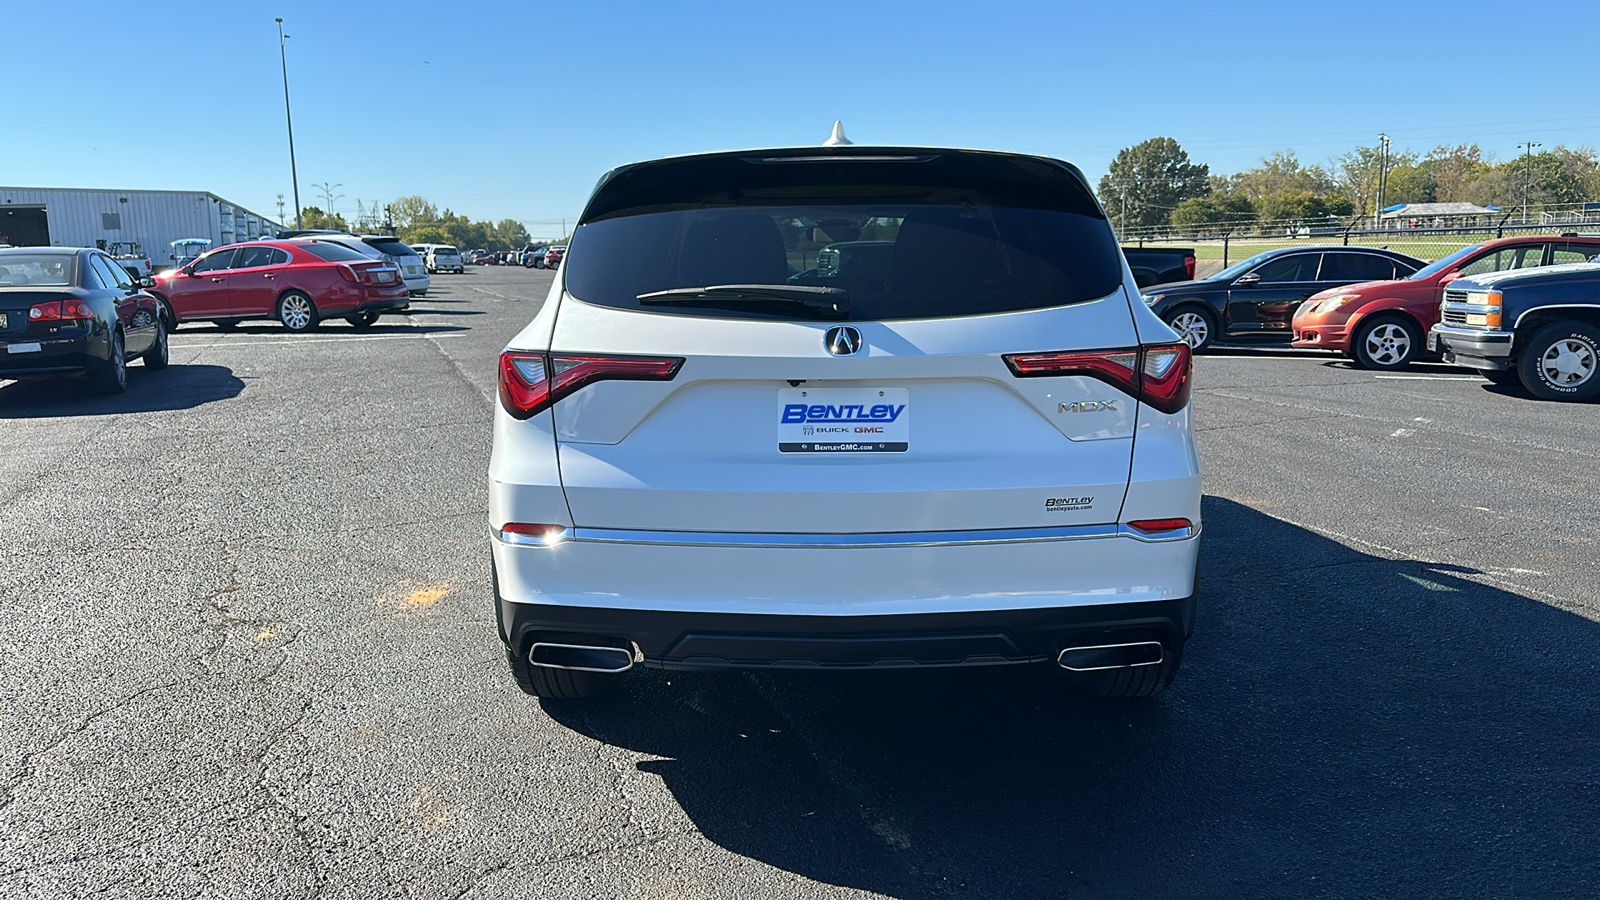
(533, 382)
(1188, 265)
(348, 273)
(60, 311)
(1157, 376)
(533, 534)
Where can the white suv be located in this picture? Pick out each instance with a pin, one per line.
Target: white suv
(974, 449)
(443, 258)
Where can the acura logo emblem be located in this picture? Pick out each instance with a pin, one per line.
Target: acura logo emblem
(842, 340)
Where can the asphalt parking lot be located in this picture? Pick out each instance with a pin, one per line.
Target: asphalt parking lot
(249, 651)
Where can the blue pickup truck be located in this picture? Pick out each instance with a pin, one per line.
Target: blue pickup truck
(1538, 326)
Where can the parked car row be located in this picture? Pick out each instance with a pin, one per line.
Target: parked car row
(543, 256)
(1378, 307)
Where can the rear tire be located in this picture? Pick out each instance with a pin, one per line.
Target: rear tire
(1388, 343)
(557, 684)
(1195, 324)
(1139, 681)
(362, 320)
(297, 312)
(159, 354)
(1561, 362)
(111, 376)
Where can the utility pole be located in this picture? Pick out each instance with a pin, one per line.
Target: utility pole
(288, 119)
(280, 209)
(1383, 178)
(1527, 174)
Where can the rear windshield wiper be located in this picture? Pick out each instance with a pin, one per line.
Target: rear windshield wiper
(825, 300)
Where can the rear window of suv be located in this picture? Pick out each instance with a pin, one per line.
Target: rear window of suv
(393, 248)
(931, 235)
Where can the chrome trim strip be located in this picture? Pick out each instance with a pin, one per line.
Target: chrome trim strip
(532, 540)
(876, 540)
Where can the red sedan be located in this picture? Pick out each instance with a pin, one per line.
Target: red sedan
(297, 282)
(1382, 324)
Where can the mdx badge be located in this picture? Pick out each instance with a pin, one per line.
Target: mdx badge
(842, 340)
(1088, 406)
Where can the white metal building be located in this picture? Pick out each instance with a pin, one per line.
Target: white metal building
(77, 217)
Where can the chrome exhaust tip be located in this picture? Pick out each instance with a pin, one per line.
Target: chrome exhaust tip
(580, 657)
(1100, 657)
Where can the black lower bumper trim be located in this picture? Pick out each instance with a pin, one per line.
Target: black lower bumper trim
(701, 640)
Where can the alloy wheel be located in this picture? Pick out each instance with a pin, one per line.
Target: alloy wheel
(1568, 363)
(295, 312)
(1192, 327)
(1388, 344)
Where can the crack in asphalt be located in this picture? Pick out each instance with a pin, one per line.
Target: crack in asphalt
(8, 793)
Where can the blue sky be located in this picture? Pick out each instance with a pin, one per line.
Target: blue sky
(513, 110)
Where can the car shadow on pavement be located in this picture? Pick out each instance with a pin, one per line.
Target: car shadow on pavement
(1345, 724)
(329, 328)
(177, 387)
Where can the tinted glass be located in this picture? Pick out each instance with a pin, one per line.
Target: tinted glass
(50, 269)
(119, 276)
(1294, 267)
(393, 248)
(1355, 267)
(897, 261)
(253, 257)
(331, 252)
(1517, 256)
(97, 275)
(1565, 254)
(448, 251)
(216, 262)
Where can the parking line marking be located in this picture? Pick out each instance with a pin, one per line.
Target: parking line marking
(375, 337)
(1429, 377)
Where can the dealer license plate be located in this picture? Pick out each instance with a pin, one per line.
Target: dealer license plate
(23, 348)
(844, 420)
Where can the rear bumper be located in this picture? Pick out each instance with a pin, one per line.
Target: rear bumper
(395, 302)
(699, 640)
(54, 356)
(1471, 347)
(864, 605)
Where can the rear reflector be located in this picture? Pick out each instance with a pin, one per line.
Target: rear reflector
(1157, 376)
(533, 534)
(533, 382)
(1154, 526)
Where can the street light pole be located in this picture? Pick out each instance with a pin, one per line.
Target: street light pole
(1383, 177)
(1527, 174)
(294, 174)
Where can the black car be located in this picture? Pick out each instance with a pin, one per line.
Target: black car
(75, 311)
(1254, 300)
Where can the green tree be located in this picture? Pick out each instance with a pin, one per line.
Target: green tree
(1199, 214)
(312, 217)
(412, 211)
(1360, 170)
(1453, 168)
(1147, 181)
(1291, 208)
(1410, 184)
(1279, 173)
(512, 234)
